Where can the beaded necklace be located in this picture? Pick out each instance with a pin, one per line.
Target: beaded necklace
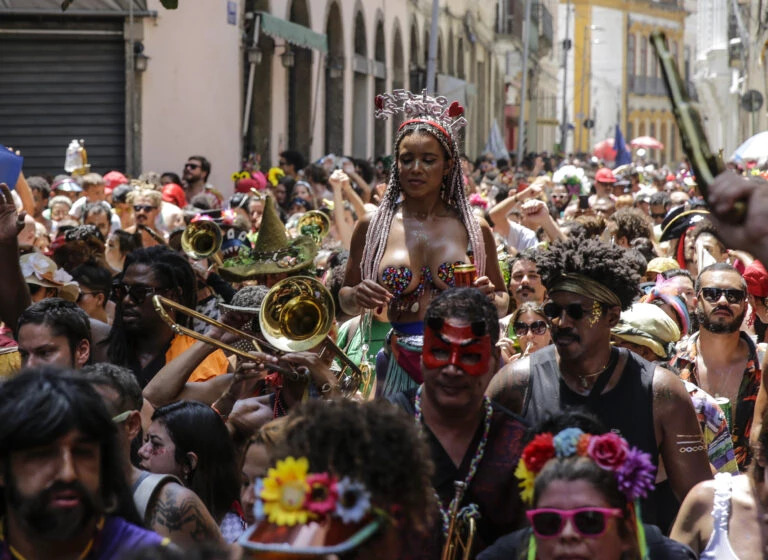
(445, 512)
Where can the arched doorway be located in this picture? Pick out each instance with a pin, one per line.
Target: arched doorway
(360, 103)
(380, 85)
(398, 72)
(334, 83)
(414, 66)
(257, 140)
(300, 87)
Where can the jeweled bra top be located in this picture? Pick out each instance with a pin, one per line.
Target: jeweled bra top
(396, 279)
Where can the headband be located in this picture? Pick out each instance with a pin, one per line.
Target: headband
(585, 286)
(425, 121)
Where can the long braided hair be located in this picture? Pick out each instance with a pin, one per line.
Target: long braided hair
(452, 193)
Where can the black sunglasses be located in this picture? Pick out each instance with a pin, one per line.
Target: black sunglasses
(191, 165)
(537, 327)
(143, 207)
(136, 292)
(658, 215)
(554, 311)
(732, 295)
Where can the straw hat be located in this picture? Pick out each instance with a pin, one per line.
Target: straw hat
(39, 269)
(273, 253)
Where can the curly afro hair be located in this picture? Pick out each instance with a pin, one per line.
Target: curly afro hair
(375, 443)
(631, 224)
(605, 263)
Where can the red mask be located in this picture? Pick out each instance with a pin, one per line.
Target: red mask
(457, 346)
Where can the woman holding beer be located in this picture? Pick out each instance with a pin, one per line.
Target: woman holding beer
(421, 237)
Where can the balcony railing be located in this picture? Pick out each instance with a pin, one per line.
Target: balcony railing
(511, 23)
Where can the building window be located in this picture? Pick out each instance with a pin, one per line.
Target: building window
(643, 70)
(631, 62)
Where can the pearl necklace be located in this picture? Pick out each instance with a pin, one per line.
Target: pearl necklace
(473, 465)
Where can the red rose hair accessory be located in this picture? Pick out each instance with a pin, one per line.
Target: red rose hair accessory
(632, 468)
(436, 111)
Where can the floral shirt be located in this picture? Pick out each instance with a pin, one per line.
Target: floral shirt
(744, 408)
(717, 436)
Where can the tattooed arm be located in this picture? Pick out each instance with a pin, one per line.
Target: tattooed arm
(179, 514)
(509, 386)
(678, 434)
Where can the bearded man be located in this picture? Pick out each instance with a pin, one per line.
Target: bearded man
(720, 358)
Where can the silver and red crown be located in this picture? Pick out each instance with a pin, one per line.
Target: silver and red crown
(421, 107)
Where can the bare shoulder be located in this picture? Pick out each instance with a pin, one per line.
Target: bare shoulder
(510, 384)
(181, 515)
(693, 524)
(667, 387)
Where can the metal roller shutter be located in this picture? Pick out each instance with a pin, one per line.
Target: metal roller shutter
(54, 88)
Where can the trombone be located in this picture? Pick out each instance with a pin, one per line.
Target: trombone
(295, 315)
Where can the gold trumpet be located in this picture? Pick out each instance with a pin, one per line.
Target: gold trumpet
(202, 240)
(462, 527)
(315, 224)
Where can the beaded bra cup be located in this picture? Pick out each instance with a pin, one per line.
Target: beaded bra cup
(397, 279)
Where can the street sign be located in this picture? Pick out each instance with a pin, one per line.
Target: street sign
(752, 101)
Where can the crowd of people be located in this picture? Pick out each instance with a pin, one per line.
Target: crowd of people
(423, 357)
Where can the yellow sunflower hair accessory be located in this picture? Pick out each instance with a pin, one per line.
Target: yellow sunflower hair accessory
(284, 492)
(274, 175)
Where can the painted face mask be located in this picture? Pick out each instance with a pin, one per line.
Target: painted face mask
(468, 348)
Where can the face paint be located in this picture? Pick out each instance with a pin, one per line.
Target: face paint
(457, 346)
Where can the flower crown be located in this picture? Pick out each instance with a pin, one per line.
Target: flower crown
(634, 472)
(290, 495)
(414, 107)
(572, 175)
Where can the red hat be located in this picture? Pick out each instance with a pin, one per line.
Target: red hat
(757, 279)
(257, 181)
(605, 175)
(174, 194)
(112, 180)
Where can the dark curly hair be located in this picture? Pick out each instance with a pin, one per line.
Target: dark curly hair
(631, 223)
(373, 442)
(594, 225)
(607, 264)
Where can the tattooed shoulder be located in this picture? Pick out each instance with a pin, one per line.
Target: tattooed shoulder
(180, 514)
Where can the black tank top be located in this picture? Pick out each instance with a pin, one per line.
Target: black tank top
(627, 408)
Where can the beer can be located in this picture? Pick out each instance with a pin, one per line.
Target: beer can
(464, 275)
(725, 405)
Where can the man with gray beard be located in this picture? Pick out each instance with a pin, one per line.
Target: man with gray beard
(720, 358)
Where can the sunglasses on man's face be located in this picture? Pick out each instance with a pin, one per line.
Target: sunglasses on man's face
(658, 216)
(589, 522)
(537, 328)
(136, 292)
(191, 165)
(575, 311)
(732, 295)
(143, 208)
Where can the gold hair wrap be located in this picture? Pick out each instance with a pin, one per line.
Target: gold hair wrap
(585, 286)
